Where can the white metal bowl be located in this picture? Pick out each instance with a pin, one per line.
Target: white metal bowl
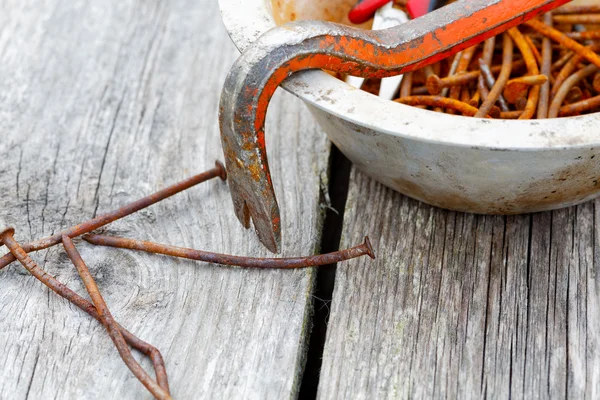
(454, 162)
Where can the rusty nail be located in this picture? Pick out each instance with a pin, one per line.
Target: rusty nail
(577, 9)
(562, 93)
(439, 101)
(579, 107)
(105, 219)
(497, 86)
(577, 19)
(362, 249)
(518, 87)
(534, 49)
(532, 69)
(546, 69)
(564, 40)
(6, 238)
(109, 322)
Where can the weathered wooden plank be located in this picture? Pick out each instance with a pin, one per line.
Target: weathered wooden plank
(464, 306)
(100, 104)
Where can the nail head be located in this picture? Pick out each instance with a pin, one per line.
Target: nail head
(222, 170)
(370, 251)
(5, 229)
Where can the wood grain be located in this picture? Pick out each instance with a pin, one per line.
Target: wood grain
(464, 306)
(100, 104)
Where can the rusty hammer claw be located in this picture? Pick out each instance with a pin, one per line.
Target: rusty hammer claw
(297, 46)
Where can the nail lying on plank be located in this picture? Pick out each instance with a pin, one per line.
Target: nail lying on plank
(362, 249)
(105, 219)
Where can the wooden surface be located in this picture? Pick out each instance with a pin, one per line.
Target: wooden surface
(102, 103)
(463, 306)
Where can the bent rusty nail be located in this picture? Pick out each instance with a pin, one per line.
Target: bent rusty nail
(436, 85)
(532, 69)
(301, 45)
(105, 219)
(362, 249)
(577, 19)
(497, 86)
(6, 238)
(546, 69)
(579, 107)
(534, 49)
(439, 101)
(109, 322)
(463, 66)
(569, 67)
(482, 88)
(490, 82)
(566, 87)
(564, 40)
(577, 9)
(483, 82)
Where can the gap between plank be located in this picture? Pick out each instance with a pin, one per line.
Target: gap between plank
(339, 179)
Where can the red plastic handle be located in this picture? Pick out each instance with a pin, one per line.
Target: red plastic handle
(364, 10)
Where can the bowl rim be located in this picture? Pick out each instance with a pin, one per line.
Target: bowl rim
(246, 20)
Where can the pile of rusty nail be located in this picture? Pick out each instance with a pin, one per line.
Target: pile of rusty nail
(98, 309)
(555, 73)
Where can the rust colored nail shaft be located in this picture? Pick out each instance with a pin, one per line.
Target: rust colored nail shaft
(546, 69)
(497, 86)
(532, 69)
(463, 65)
(566, 87)
(585, 35)
(64, 291)
(577, 9)
(534, 50)
(109, 322)
(577, 19)
(406, 85)
(530, 79)
(561, 38)
(438, 101)
(225, 259)
(579, 107)
(124, 211)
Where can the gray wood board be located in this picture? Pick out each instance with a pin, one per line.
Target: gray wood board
(102, 103)
(464, 306)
